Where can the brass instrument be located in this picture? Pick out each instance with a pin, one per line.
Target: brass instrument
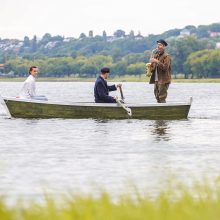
(148, 69)
(148, 65)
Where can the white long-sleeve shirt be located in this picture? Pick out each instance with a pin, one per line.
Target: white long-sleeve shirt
(28, 90)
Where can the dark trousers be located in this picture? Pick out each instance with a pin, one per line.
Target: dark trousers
(160, 92)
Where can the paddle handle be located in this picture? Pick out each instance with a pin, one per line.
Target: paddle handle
(121, 92)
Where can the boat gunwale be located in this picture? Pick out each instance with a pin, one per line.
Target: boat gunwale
(93, 104)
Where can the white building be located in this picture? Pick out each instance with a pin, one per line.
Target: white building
(184, 33)
(218, 45)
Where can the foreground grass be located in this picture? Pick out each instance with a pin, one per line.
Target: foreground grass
(201, 203)
(126, 78)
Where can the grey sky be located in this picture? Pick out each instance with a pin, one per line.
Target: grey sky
(72, 17)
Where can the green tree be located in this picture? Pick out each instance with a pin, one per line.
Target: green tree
(46, 38)
(136, 69)
(202, 31)
(104, 35)
(131, 34)
(215, 27)
(82, 36)
(100, 61)
(204, 63)
(88, 69)
(73, 54)
(116, 54)
(119, 33)
(34, 44)
(91, 33)
(180, 49)
(119, 68)
(26, 42)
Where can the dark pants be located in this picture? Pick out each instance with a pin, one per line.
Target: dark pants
(160, 92)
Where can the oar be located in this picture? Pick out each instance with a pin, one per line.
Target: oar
(121, 92)
(128, 110)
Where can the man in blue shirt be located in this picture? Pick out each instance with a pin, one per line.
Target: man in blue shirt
(101, 89)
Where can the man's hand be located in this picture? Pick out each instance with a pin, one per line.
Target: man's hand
(118, 85)
(153, 60)
(120, 100)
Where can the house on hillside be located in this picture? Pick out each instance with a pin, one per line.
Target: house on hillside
(111, 38)
(139, 36)
(184, 33)
(68, 39)
(214, 34)
(50, 45)
(13, 45)
(217, 45)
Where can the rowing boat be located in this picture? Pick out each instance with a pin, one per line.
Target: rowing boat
(23, 108)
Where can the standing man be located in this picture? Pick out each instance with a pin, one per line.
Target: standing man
(28, 90)
(161, 71)
(101, 89)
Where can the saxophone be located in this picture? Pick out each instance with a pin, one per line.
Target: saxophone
(148, 65)
(148, 69)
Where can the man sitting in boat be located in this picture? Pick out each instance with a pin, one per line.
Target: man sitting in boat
(28, 90)
(101, 89)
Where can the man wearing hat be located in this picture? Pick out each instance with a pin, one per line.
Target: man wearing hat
(101, 89)
(161, 71)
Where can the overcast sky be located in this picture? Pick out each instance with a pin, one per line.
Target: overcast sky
(72, 17)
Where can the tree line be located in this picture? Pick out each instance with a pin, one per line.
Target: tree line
(80, 66)
(126, 55)
(190, 56)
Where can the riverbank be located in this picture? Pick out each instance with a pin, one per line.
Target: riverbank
(141, 78)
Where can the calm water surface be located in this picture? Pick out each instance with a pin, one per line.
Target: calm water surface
(56, 155)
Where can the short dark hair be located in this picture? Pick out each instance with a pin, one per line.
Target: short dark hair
(105, 70)
(31, 68)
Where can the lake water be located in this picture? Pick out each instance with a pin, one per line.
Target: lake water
(57, 156)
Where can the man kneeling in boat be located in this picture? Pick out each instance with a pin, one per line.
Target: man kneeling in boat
(101, 89)
(28, 90)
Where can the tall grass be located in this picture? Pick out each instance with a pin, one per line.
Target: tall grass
(202, 202)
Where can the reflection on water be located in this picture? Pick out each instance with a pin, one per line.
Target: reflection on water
(101, 120)
(161, 130)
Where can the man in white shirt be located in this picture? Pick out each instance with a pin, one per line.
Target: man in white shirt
(28, 90)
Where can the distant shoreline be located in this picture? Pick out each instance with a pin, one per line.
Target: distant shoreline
(115, 79)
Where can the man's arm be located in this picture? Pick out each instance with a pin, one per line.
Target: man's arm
(165, 65)
(112, 88)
